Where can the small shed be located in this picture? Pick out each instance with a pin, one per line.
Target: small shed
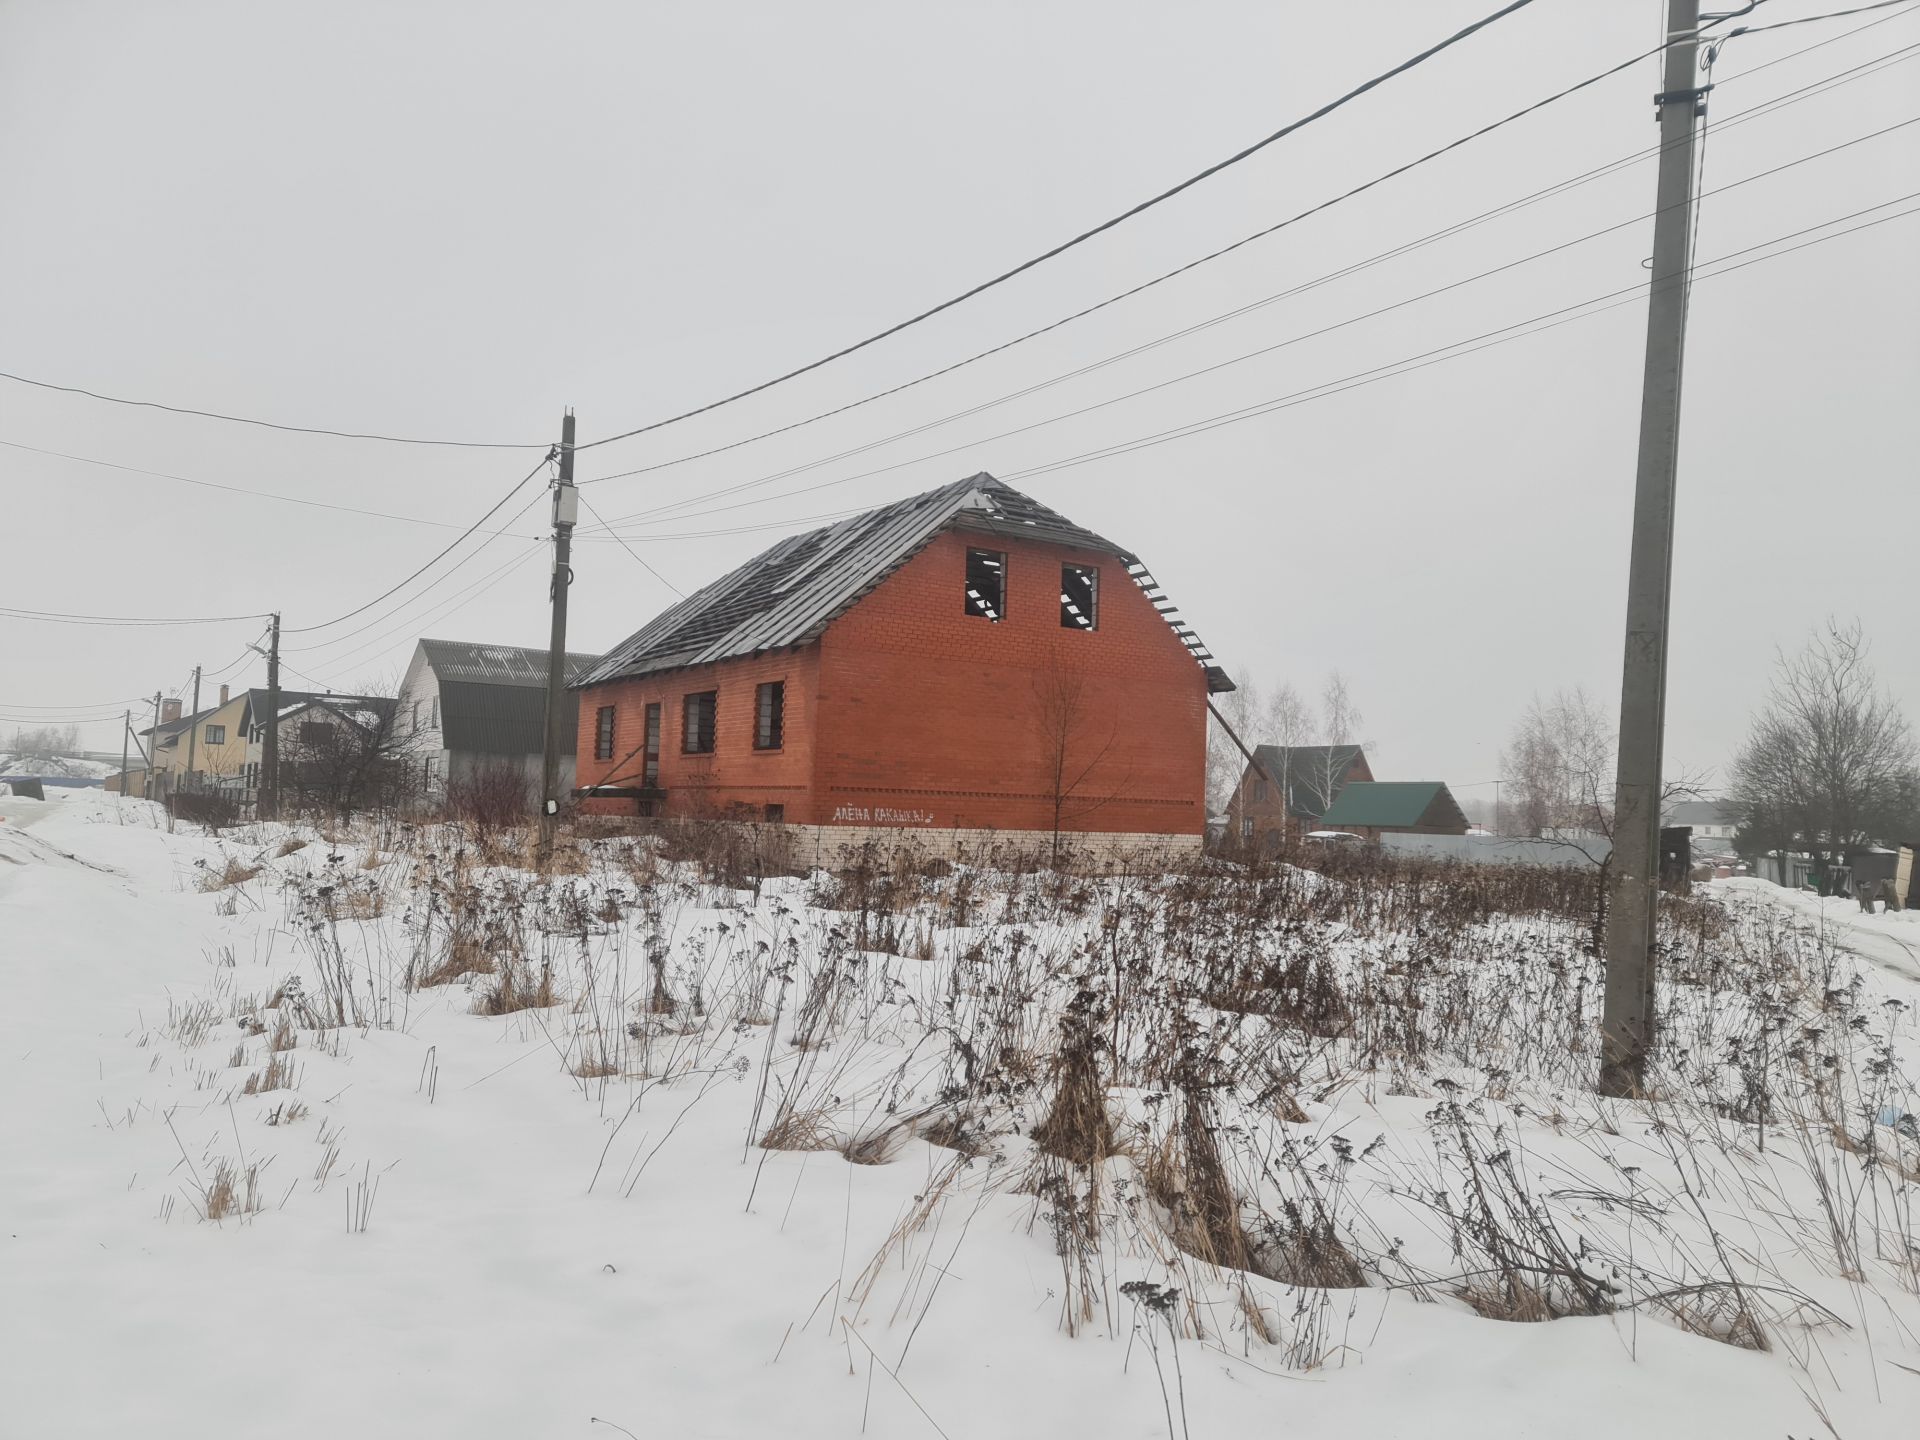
(1398, 807)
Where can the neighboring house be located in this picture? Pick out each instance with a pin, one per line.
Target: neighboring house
(1372, 808)
(219, 748)
(338, 754)
(963, 661)
(1305, 780)
(467, 707)
(1713, 822)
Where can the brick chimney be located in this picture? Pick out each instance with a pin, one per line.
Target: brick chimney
(169, 711)
(223, 694)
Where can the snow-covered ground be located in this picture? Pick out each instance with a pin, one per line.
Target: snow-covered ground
(556, 1221)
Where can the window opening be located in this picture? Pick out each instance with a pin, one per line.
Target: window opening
(650, 771)
(769, 715)
(1079, 597)
(696, 723)
(987, 584)
(603, 733)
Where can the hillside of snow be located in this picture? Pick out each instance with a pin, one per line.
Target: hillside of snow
(385, 1134)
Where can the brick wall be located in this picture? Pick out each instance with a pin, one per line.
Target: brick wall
(936, 716)
(735, 774)
(910, 714)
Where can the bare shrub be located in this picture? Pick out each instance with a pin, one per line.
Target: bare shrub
(490, 798)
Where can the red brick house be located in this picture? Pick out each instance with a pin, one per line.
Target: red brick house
(1305, 782)
(964, 660)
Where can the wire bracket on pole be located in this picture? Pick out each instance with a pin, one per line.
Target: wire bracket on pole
(1698, 94)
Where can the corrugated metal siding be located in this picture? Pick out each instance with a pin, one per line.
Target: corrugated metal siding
(499, 719)
(462, 660)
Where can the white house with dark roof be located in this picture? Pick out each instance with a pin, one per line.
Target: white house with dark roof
(465, 707)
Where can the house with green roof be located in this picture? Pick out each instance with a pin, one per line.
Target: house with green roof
(1372, 808)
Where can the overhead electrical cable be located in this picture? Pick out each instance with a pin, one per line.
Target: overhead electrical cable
(1084, 235)
(1666, 44)
(231, 489)
(381, 616)
(58, 617)
(1598, 172)
(1554, 318)
(271, 424)
(676, 509)
(631, 551)
(491, 512)
(1275, 346)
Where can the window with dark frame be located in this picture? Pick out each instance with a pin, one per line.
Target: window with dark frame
(650, 768)
(603, 733)
(770, 715)
(1079, 597)
(696, 722)
(314, 732)
(216, 734)
(776, 814)
(987, 584)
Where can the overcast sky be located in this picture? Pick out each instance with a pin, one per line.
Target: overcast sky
(452, 220)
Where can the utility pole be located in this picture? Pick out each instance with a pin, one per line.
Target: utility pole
(149, 781)
(1627, 1024)
(267, 805)
(566, 510)
(126, 733)
(193, 728)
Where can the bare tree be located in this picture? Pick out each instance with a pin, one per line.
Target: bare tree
(1830, 761)
(347, 754)
(1558, 767)
(1072, 744)
(49, 742)
(1340, 722)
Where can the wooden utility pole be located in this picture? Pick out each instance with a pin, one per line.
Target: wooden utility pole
(193, 726)
(267, 806)
(126, 734)
(566, 510)
(1627, 1024)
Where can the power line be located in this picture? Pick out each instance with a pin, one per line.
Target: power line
(1086, 235)
(631, 551)
(1248, 355)
(1598, 172)
(1810, 19)
(1439, 355)
(492, 511)
(57, 617)
(381, 618)
(269, 424)
(1753, 112)
(230, 489)
(415, 626)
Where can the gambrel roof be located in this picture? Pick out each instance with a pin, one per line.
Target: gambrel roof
(788, 595)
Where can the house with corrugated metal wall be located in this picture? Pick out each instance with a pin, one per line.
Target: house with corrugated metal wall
(961, 664)
(466, 707)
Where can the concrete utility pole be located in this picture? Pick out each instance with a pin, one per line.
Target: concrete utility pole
(126, 734)
(1627, 1025)
(267, 805)
(150, 780)
(566, 511)
(193, 727)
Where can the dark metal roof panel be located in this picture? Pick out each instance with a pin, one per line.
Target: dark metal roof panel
(497, 719)
(463, 660)
(789, 594)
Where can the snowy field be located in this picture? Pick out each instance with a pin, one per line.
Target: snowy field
(382, 1135)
